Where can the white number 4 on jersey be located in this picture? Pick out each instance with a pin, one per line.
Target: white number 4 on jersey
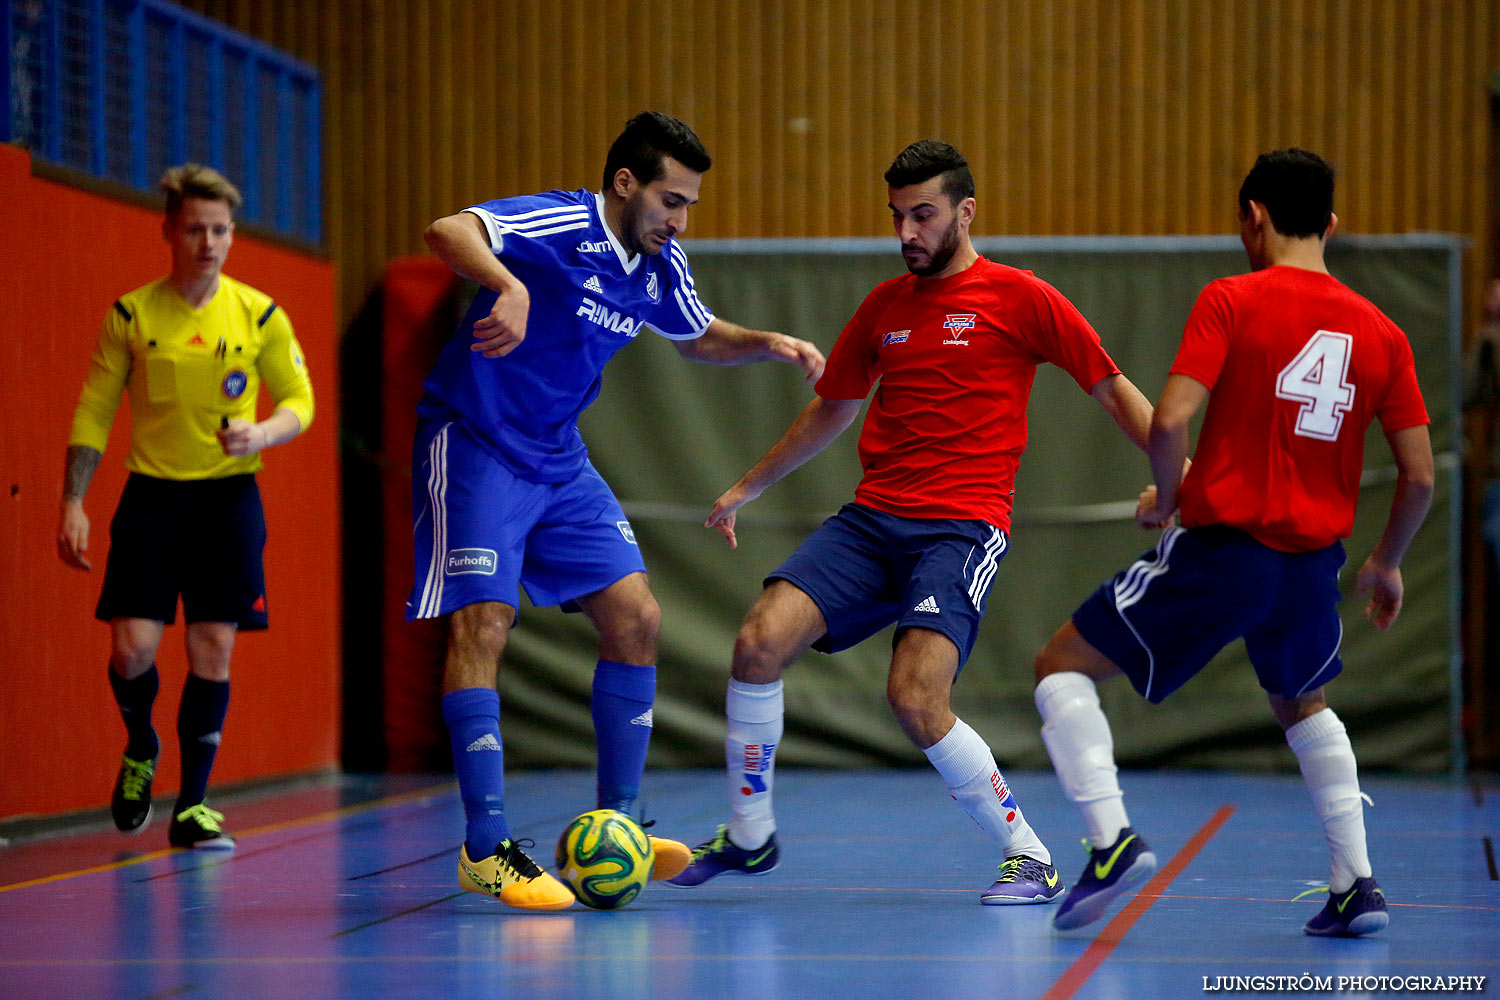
(1316, 379)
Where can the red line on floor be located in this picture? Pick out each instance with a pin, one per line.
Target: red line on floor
(1114, 932)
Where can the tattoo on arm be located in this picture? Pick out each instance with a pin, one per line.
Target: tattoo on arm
(81, 463)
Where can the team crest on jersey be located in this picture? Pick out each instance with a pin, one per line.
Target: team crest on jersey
(653, 288)
(235, 383)
(608, 318)
(895, 337)
(958, 323)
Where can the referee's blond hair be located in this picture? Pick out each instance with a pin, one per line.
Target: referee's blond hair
(193, 180)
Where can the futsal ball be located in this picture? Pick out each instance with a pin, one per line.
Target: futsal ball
(605, 858)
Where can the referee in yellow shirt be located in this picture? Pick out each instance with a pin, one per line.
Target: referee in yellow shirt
(192, 350)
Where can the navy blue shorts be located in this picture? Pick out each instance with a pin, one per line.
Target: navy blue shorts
(202, 539)
(865, 569)
(1166, 616)
(480, 532)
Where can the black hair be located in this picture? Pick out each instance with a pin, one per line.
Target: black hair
(926, 159)
(1297, 189)
(649, 138)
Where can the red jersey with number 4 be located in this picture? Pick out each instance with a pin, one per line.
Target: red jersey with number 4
(1297, 365)
(955, 357)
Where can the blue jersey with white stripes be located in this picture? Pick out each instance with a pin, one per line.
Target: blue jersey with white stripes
(589, 298)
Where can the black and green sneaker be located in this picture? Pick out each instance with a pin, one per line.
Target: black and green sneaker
(721, 855)
(1360, 909)
(130, 805)
(199, 828)
(1110, 871)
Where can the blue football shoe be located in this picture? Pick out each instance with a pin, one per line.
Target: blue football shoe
(721, 856)
(1023, 879)
(1110, 871)
(1360, 910)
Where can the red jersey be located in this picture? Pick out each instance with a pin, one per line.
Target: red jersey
(955, 357)
(1297, 365)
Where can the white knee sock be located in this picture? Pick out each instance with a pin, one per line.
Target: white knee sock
(1327, 760)
(968, 767)
(1083, 752)
(755, 714)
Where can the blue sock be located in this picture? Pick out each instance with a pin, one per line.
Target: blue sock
(621, 707)
(200, 724)
(135, 698)
(473, 718)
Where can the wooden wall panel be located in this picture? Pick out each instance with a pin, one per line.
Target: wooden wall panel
(1080, 116)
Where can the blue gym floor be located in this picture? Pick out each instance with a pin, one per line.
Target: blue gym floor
(345, 890)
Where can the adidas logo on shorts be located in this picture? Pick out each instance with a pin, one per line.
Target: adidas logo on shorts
(592, 284)
(485, 742)
(928, 604)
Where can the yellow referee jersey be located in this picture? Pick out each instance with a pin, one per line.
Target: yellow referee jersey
(186, 369)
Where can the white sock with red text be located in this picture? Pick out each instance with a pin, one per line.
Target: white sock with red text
(755, 713)
(968, 767)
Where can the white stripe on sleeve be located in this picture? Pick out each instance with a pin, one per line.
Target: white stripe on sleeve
(490, 226)
(558, 227)
(685, 293)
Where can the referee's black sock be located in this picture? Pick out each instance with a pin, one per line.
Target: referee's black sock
(200, 721)
(135, 698)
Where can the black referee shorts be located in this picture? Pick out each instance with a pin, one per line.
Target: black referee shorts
(201, 539)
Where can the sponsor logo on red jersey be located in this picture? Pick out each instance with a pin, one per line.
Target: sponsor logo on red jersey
(958, 323)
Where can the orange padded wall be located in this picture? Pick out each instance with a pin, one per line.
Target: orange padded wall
(67, 255)
(416, 323)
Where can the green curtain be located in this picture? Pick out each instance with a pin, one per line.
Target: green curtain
(671, 436)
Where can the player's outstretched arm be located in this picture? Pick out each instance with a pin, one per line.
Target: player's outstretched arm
(1380, 576)
(461, 242)
(820, 422)
(1168, 448)
(726, 343)
(1126, 406)
(73, 522)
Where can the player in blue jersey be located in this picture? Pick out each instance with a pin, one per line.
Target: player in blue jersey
(503, 491)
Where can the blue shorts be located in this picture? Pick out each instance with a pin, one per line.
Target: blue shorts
(480, 532)
(202, 539)
(1166, 616)
(865, 569)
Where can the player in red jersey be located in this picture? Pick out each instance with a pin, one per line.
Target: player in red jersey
(1293, 366)
(954, 345)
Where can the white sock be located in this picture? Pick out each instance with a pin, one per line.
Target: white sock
(755, 714)
(968, 768)
(1327, 760)
(1083, 752)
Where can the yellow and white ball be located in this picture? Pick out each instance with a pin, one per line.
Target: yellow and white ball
(605, 858)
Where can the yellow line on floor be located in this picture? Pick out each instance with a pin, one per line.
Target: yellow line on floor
(290, 824)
